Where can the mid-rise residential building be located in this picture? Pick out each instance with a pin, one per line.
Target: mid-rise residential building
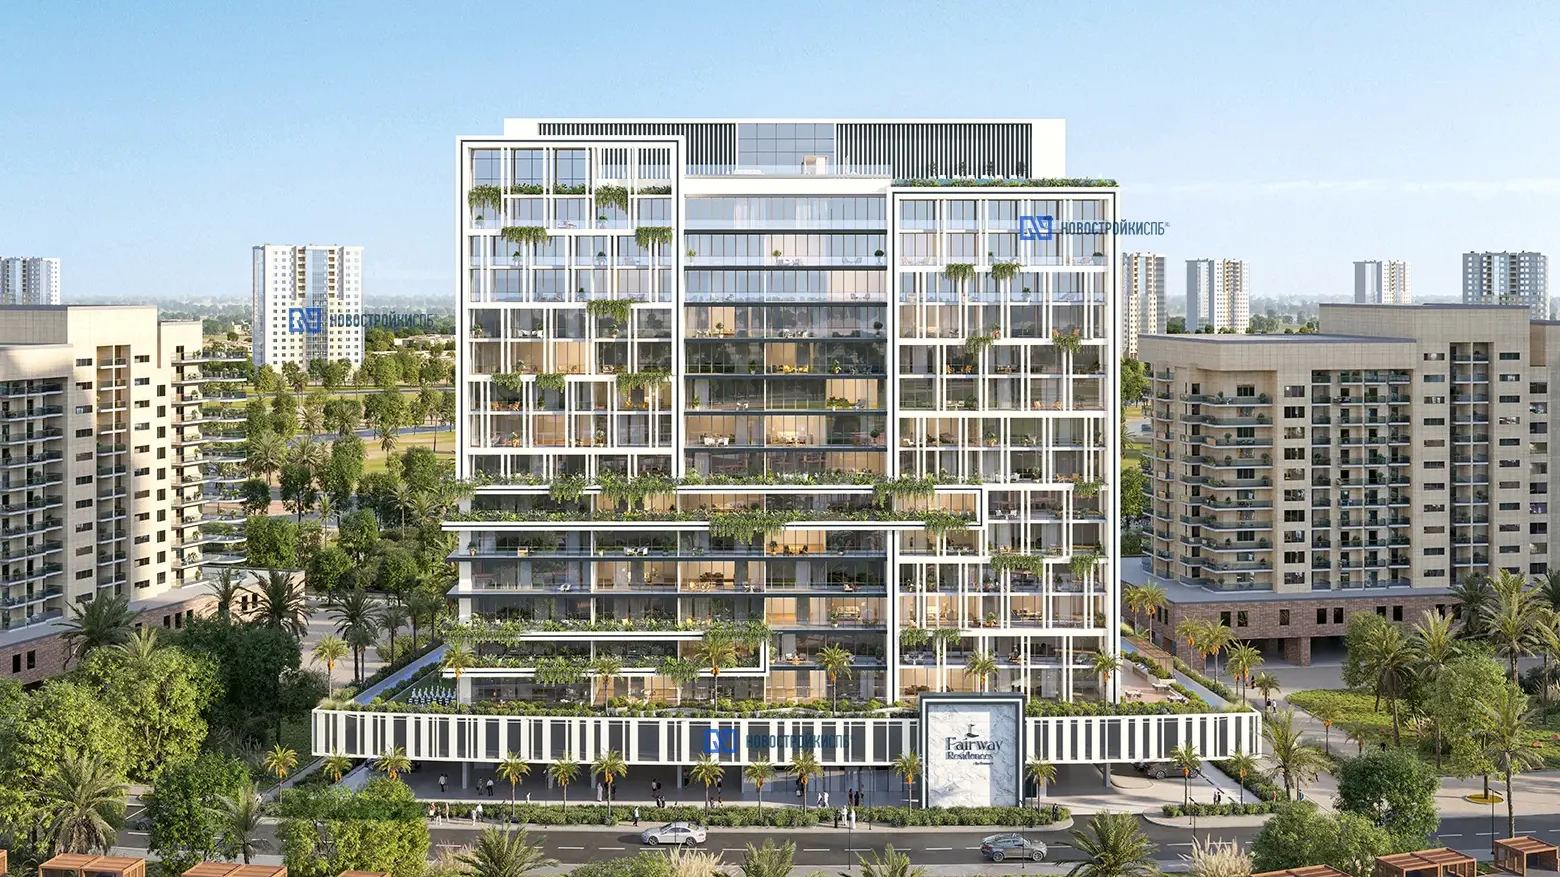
(111, 454)
(1142, 297)
(754, 406)
(1218, 295)
(1382, 283)
(1300, 478)
(29, 280)
(1508, 279)
(308, 304)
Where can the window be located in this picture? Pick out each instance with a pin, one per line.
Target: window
(1241, 619)
(1510, 549)
(1511, 399)
(1510, 379)
(1435, 573)
(1510, 528)
(1338, 615)
(1435, 421)
(1294, 515)
(1435, 464)
(1294, 557)
(1509, 355)
(1397, 613)
(84, 362)
(1294, 411)
(1435, 357)
(1321, 616)
(1435, 379)
(1435, 400)
(1296, 391)
(1283, 617)
(1224, 618)
(1434, 552)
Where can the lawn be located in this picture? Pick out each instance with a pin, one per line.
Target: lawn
(374, 458)
(1354, 711)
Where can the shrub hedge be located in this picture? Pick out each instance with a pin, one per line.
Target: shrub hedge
(1253, 808)
(773, 816)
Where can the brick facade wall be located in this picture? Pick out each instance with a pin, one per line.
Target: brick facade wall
(48, 653)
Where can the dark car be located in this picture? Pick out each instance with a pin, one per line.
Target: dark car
(1163, 769)
(1004, 846)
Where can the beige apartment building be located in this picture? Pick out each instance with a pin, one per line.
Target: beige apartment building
(111, 450)
(1300, 478)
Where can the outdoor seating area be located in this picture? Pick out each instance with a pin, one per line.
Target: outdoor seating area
(1440, 862)
(235, 869)
(1518, 854)
(77, 865)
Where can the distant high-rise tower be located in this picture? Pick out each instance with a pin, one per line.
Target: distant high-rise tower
(1143, 296)
(308, 304)
(1382, 283)
(1218, 294)
(29, 280)
(1507, 279)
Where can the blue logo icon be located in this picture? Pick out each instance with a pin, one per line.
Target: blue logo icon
(305, 321)
(1034, 228)
(720, 741)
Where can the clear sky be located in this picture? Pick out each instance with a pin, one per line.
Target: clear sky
(150, 145)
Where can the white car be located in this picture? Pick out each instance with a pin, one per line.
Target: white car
(675, 833)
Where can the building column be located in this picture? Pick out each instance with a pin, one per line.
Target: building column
(1297, 651)
(465, 774)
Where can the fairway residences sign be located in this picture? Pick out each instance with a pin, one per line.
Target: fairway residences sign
(972, 749)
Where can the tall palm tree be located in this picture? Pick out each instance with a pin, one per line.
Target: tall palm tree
(563, 772)
(1216, 638)
(420, 605)
(140, 647)
(1113, 846)
(393, 762)
(1147, 599)
(1507, 719)
(1515, 621)
(458, 659)
(1474, 596)
(238, 816)
(503, 853)
(354, 613)
(1192, 631)
(1549, 589)
(907, 766)
(611, 767)
(392, 617)
(1242, 765)
(1265, 684)
(835, 663)
(513, 771)
(1293, 759)
(264, 455)
(707, 771)
(716, 651)
(982, 666)
(401, 496)
(105, 621)
(1104, 664)
(1390, 663)
(335, 765)
(606, 668)
(81, 805)
(1186, 759)
(804, 767)
(1435, 641)
(1243, 660)
(758, 773)
(279, 604)
(679, 672)
(1041, 772)
(227, 589)
(279, 762)
(328, 651)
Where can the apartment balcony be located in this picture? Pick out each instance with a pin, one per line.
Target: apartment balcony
(24, 389)
(1221, 399)
(8, 416)
(12, 462)
(209, 356)
(32, 435)
(36, 574)
(31, 598)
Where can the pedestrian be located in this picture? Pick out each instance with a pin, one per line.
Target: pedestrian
(528, 798)
(446, 812)
(636, 817)
(599, 790)
(433, 814)
(825, 799)
(837, 815)
(1218, 797)
(1056, 814)
(853, 818)
(490, 787)
(444, 783)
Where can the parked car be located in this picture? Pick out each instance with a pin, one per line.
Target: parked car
(1163, 769)
(675, 833)
(1002, 846)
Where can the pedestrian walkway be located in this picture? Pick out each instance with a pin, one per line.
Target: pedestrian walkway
(412, 670)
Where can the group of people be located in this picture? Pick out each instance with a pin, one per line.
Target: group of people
(444, 785)
(439, 814)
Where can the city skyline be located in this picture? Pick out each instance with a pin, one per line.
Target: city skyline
(1398, 183)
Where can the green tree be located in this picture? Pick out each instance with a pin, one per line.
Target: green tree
(707, 771)
(503, 854)
(716, 651)
(1506, 720)
(1146, 600)
(512, 770)
(226, 588)
(41, 730)
(329, 569)
(1134, 381)
(611, 767)
(1388, 662)
(1394, 789)
(889, 863)
(335, 766)
(357, 622)
(907, 766)
(805, 767)
(564, 771)
(393, 762)
(161, 699)
(606, 668)
(982, 666)
(835, 663)
(297, 488)
(105, 621)
(255, 495)
(280, 604)
(1135, 490)
(1474, 598)
(1299, 835)
(186, 827)
(769, 860)
(279, 762)
(272, 543)
(1296, 761)
(1113, 845)
(358, 535)
(758, 773)
(1040, 772)
(284, 415)
(264, 454)
(81, 805)
(1188, 762)
(1516, 625)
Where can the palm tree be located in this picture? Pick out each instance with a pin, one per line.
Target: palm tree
(140, 648)
(890, 863)
(758, 773)
(279, 762)
(1242, 764)
(335, 765)
(81, 805)
(420, 605)
(1042, 773)
(1435, 643)
(1243, 660)
(1507, 720)
(1189, 762)
(679, 672)
(769, 860)
(1474, 596)
(1192, 631)
(1265, 683)
(328, 651)
(606, 668)
(238, 816)
(458, 659)
(227, 589)
(707, 771)
(564, 771)
(105, 621)
(279, 604)
(1104, 664)
(804, 767)
(393, 763)
(716, 650)
(502, 853)
(512, 771)
(1216, 638)
(835, 662)
(354, 615)
(1113, 846)
(611, 767)
(907, 766)
(1147, 599)
(264, 455)
(391, 618)
(1514, 622)
(1390, 662)
(982, 666)
(1549, 589)
(1293, 759)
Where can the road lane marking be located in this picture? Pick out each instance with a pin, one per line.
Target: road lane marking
(1485, 833)
(571, 848)
(938, 849)
(612, 848)
(815, 850)
(1455, 835)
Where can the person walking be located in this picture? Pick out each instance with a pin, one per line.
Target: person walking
(476, 814)
(444, 784)
(433, 814)
(837, 815)
(852, 819)
(490, 787)
(636, 817)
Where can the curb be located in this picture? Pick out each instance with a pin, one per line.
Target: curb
(457, 824)
(1208, 821)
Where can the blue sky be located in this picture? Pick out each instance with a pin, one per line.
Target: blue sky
(150, 145)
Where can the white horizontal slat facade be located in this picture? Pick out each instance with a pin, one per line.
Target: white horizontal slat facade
(648, 741)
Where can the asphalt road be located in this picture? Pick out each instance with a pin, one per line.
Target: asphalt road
(822, 847)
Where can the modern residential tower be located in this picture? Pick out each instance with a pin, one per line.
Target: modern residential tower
(1218, 295)
(29, 280)
(1142, 297)
(1382, 283)
(1508, 279)
(308, 304)
(753, 405)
